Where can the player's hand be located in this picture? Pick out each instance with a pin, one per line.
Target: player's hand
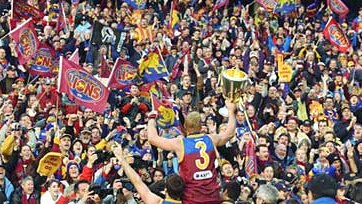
(230, 106)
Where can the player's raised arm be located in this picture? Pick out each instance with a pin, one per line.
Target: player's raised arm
(223, 137)
(163, 143)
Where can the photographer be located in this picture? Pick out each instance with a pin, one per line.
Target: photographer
(174, 183)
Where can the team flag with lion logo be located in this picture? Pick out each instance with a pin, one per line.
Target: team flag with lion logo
(336, 35)
(26, 41)
(81, 86)
(152, 68)
(123, 75)
(166, 115)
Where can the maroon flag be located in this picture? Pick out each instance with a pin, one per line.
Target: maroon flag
(81, 86)
(23, 10)
(250, 160)
(219, 4)
(123, 75)
(338, 7)
(268, 4)
(26, 40)
(336, 35)
(43, 64)
(75, 56)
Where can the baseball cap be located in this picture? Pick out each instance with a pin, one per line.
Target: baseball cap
(307, 123)
(65, 135)
(85, 130)
(187, 93)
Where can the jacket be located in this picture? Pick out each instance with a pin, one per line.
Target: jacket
(324, 200)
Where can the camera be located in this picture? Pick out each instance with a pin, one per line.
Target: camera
(101, 192)
(102, 156)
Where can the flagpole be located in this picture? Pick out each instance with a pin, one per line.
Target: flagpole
(151, 96)
(12, 9)
(65, 18)
(111, 75)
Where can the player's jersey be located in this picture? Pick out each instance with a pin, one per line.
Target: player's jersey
(197, 168)
(170, 201)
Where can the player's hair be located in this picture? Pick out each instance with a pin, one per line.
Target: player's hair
(193, 122)
(175, 186)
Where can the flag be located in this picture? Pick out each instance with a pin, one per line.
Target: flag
(267, 4)
(250, 160)
(81, 87)
(75, 56)
(174, 18)
(136, 4)
(166, 115)
(336, 35)
(23, 10)
(285, 6)
(151, 68)
(62, 20)
(338, 7)
(157, 88)
(219, 4)
(26, 40)
(43, 64)
(103, 34)
(123, 75)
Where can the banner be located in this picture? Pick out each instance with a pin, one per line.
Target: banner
(219, 4)
(285, 73)
(75, 56)
(285, 6)
(336, 35)
(49, 164)
(250, 161)
(23, 10)
(103, 34)
(123, 74)
(267, 4)
(338, 7)
(81, 87)
(136, 4)
(166, 115)
(26, 40)
(43, 64)
(151, 68)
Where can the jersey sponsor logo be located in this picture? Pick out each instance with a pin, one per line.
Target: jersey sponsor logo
(202, 175)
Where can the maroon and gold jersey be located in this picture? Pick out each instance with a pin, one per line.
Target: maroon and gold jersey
(197, 168)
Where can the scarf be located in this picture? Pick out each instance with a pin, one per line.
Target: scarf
(25, 200)
(20, 169)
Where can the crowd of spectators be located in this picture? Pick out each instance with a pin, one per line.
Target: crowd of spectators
(307, 129)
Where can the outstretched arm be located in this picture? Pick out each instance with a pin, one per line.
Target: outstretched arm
(224, 137)
(163, 143)
(135, 179)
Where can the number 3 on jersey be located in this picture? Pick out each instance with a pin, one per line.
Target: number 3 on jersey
(205, 157)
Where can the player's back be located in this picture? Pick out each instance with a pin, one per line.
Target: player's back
(197, 168)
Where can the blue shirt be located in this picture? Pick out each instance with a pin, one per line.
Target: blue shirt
(324, 200)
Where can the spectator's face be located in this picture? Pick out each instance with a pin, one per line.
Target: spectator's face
(272, 92)
(25, 153)
(54, 188)
(240, 116)
(301, 155)
(8, 109)
(134, 90)
(250, 111)
(283, 140)
(268, 173)
(96, 136)
(186, 81)
(158, 176)
(328, 137)
(187, 98)
(2, 54)
(357, 131)
(117, 184)
(292, 125)
(85, 138)
(65, 143)
(359, 148)
(227, 170)
(10, 73)
(78, 148)
(28, 187)
(346, 113)
(337, 164)
(2, 172)
(281, 151)
(83, 190)
(73, 171)
(147, 157)
(263, 154)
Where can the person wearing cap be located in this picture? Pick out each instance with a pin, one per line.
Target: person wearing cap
(196, 144)
(174, 183)
(6, 84)
(344, 127)
(6, 186)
